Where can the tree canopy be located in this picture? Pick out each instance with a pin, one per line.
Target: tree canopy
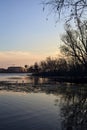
(75, 42)
(70, 8)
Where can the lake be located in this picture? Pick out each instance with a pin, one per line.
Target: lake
(32, 103)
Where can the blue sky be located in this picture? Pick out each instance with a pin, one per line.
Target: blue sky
(24, 28)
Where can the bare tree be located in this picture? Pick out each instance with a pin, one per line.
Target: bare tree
(75, 42)
(72, 8)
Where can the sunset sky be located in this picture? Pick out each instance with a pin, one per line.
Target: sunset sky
(26, 35)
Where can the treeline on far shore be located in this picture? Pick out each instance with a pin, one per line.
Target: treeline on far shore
(58, 67)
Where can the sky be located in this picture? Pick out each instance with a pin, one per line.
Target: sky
(27, 34)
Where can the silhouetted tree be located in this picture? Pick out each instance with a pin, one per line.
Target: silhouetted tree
(43, 66)
(36, 67)
(62, 64)
(53, 66)
(30, 69)
(26, 66)
(75, 42)
(68, 8)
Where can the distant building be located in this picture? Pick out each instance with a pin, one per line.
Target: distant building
(16, 69)
(2, 70)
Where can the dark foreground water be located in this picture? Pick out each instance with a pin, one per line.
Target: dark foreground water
(29, 103)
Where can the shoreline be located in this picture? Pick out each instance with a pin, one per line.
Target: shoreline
(70, 79)
(55, 78)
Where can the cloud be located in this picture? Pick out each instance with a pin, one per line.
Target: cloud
(20, 58)
(9, 58)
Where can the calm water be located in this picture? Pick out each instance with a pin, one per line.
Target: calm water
(33, 103)
(13, 77)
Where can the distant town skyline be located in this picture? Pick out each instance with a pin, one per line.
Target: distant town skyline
(25, 34)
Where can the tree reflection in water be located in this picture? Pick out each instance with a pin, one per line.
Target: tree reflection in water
(74, 108)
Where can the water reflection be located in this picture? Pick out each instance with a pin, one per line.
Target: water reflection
(74, 108)
(72, 101)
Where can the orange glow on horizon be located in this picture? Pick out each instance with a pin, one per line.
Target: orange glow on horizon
(19, 58)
